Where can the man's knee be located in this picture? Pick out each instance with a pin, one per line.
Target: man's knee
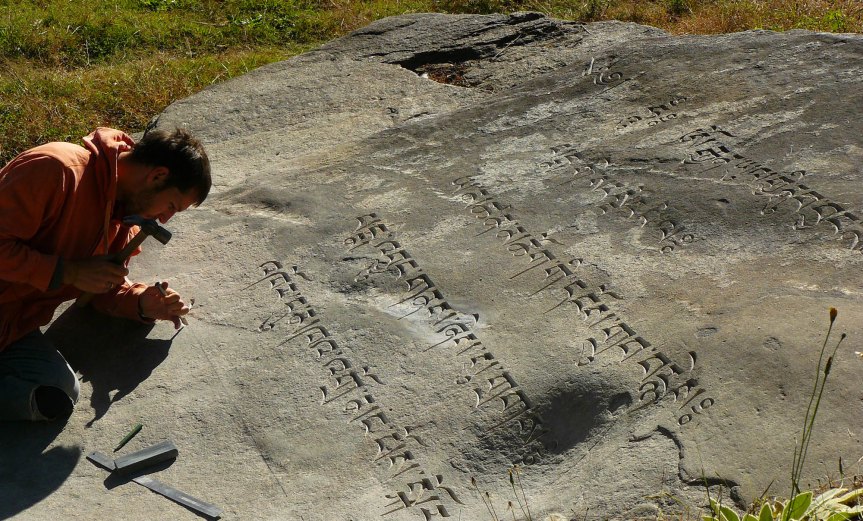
(36, 382)
(31, 401)
(55, 399)
(66, 380)
(52, 402)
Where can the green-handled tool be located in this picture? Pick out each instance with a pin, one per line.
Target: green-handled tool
(135, 430)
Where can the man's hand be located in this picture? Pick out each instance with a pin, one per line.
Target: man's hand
(168, 306)
(93, 275)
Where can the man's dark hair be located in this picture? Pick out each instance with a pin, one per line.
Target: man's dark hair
(182, 154)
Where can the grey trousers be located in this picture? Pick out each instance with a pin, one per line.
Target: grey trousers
(36, 382)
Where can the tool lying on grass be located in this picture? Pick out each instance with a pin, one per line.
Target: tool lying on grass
(148, 227)
(147, 457)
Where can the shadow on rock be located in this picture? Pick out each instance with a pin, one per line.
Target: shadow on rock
(577, 411)
(115, 479)
(113, 354)
(27, 475)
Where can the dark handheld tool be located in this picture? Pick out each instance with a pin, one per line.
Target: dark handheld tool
(145, 457)
(135, 430)
(149, 227)
(134, 466)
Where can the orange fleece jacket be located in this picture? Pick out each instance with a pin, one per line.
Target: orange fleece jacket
(54, 200)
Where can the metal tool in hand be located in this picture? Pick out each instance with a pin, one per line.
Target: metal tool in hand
(149, 227)
(165, 294)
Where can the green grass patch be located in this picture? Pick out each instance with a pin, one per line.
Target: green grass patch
(77, 34)
(56, 104)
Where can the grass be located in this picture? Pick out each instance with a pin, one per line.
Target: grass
(68, 66)
(58, 104)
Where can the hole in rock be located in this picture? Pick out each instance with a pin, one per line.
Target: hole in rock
(447, 66)
(449, 56)
(448, 73)
(577, 410)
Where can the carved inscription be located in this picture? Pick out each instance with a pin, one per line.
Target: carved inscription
(566, 160)
(493, 386)
(652, 115)
(636, 203)
(351, 388)
(593, 303)
(632, 201)
(602, 75)
(813, 209)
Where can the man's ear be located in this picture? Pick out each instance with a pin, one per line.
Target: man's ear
(157, 176)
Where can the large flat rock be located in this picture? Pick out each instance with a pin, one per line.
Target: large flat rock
(445, 245)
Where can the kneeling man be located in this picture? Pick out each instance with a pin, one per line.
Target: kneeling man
(62, 208)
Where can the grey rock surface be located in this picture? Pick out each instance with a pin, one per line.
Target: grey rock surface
(445, 245)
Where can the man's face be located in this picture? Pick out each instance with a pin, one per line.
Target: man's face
(154, 202)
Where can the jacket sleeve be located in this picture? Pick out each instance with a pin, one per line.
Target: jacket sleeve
(32, 192)
(123, 300)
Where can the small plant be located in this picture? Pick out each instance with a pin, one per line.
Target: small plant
(520, 500)
(594, 9)
(835, 504)
(815, 398)
(677, 8)
(836, 21)
(486, 499)
(515, 475)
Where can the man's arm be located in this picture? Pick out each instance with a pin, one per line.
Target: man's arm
(32, 193)
(139, 301)
(33, 189)
(147, 304)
